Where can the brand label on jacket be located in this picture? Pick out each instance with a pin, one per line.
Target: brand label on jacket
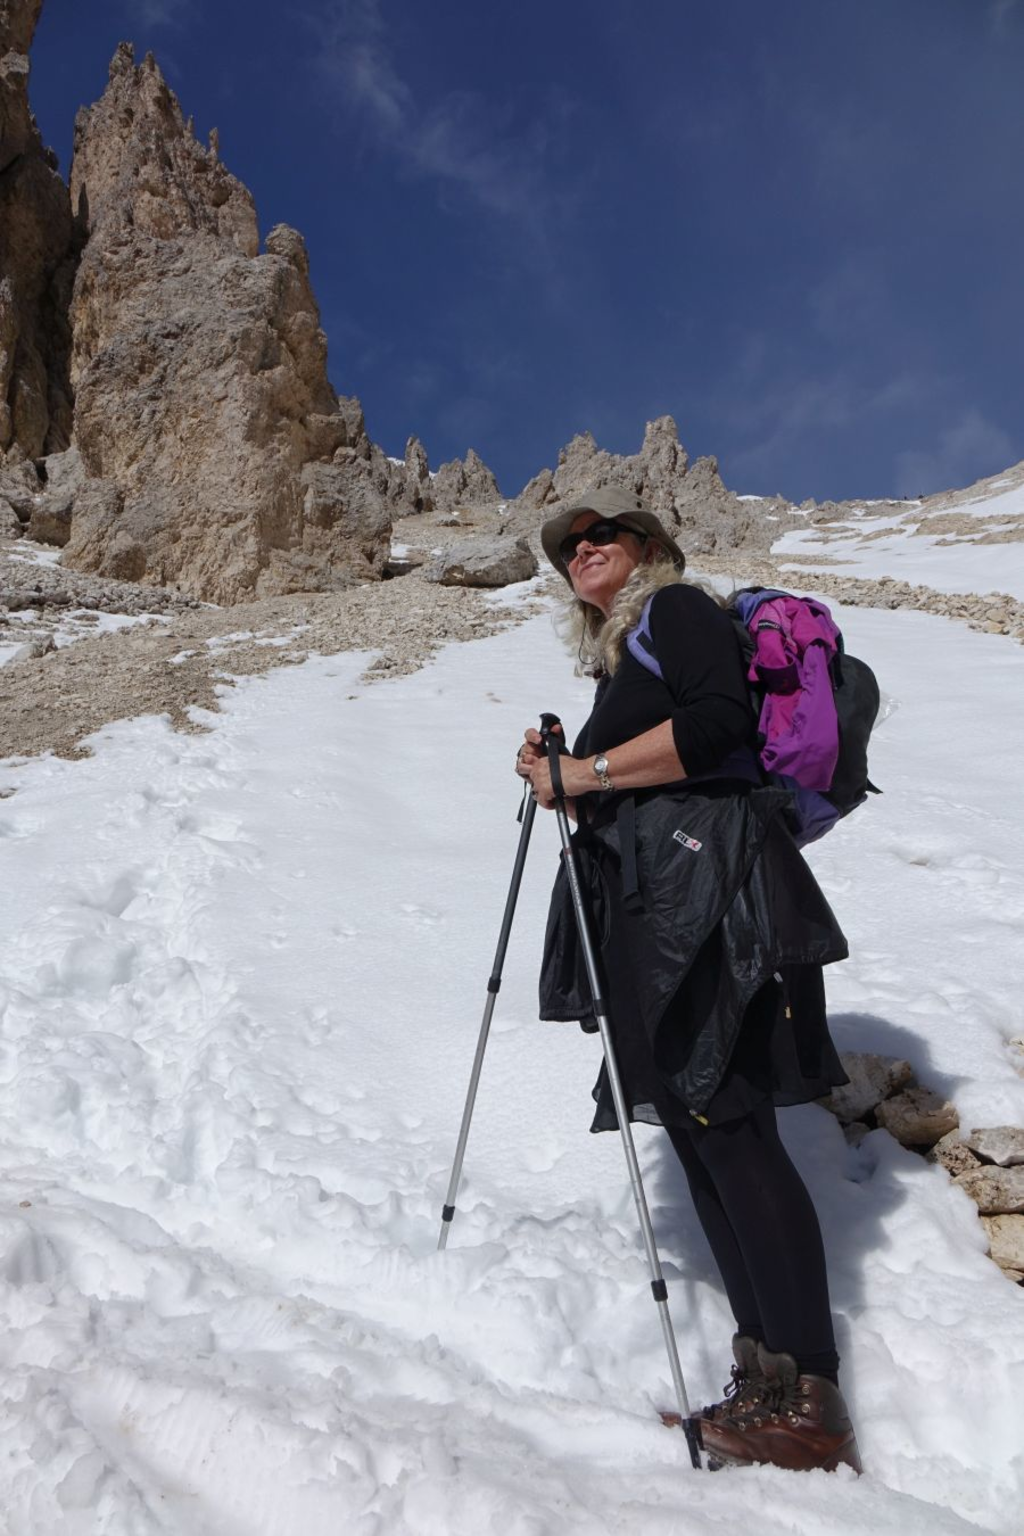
(688, 842)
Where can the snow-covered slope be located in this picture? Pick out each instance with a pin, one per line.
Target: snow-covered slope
(242, 977)
(965, 541)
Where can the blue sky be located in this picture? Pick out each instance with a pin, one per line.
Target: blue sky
(795, 225)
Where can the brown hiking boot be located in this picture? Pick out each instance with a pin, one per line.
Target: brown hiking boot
(799, 1422)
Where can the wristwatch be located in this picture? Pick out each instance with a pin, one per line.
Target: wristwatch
(603, 772)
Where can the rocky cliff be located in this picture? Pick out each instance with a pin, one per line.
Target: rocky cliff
(36, 260)
(207, 451)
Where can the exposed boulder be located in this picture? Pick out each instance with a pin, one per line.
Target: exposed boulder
(1002, 1144)
(33, 650)
(10, 522)
(917, 1117)
(872, 1079)
(36, 259)
(951, 1153)
(200, 369)
(50, 519)
(483, 562)
(995, 1191)
(19, 485)
(1006, 1241)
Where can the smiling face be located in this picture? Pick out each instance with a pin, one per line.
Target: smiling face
(598, 572)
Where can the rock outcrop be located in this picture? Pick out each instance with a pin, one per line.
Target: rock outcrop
(461, 485)
(691, 498)
(986, 1164)
(52, 505)
(410, 484)
(464, 483)
(219, 459)
(36, 260)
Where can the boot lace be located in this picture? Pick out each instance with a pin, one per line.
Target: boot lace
(773, 1397)
(736, 1384)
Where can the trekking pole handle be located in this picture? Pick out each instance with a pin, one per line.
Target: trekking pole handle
(548, 722)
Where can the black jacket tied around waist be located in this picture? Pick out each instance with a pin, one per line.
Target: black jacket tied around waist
(721, 896)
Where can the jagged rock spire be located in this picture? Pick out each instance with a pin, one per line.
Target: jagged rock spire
(220, 459)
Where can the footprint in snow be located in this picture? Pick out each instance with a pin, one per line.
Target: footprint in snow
(218, 829)
(15, 830)
(425, 915)
(116, 897)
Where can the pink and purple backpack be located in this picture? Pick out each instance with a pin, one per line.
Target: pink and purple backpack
(815, 704)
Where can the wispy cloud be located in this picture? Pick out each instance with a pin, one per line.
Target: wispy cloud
(356, 52)
(774, 403)
(780, 422)
(458, 140)
(965, 450)
(159, 13)
(1002, 12)
(849, 301)
(777, 416)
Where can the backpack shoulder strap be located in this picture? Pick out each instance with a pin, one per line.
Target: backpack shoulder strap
(640, 643)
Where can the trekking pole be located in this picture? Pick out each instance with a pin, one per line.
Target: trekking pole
(526, 813)
(658, 1288)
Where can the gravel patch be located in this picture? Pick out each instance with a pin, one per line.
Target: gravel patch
(177, 661)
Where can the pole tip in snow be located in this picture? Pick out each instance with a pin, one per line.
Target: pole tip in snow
(673, 1420)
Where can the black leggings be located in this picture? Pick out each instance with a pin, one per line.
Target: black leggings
(763, 1231)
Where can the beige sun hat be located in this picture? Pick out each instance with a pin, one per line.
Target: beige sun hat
(614, 503)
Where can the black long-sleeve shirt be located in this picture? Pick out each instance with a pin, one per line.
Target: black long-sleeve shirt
(704, 692)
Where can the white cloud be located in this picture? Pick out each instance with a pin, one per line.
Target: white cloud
(964, 451)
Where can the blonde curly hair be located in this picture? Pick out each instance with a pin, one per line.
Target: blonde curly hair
(598, 639)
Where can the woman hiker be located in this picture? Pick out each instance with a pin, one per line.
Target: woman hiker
(713, 935)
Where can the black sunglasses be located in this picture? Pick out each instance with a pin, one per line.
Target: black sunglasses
(604, 532)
